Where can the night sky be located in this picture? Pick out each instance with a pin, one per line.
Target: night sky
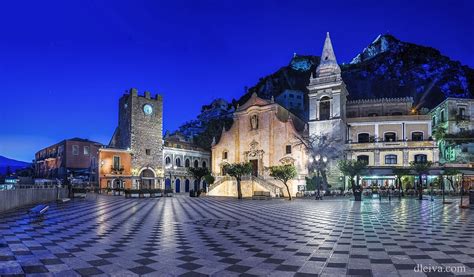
(64, 64)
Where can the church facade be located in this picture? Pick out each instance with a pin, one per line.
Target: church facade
(264, 134)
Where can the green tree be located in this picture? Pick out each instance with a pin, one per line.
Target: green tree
(400, 172)
(284, 173)
(209, 179)
(352, 169)
(198, 173)
(420, 168)
(238, 170)
(322, 146)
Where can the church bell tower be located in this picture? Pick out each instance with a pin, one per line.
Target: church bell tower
(327, 97)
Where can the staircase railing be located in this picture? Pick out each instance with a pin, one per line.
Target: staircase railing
(276, 190)
(219, 181)
(272, 188)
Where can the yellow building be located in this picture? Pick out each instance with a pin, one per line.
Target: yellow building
(386, 134)
(264, 134)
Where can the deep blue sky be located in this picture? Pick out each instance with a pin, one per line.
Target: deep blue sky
(64, 64)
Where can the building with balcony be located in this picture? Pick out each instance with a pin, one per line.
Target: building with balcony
(453, 125)
(179, 154)
(386, 133)
(72, 159)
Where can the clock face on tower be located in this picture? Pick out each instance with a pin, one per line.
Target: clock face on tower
(148, 109)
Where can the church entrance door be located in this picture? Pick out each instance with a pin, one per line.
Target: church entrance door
(254, 167)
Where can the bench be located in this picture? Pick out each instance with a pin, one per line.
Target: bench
(79, 195)
(261, 195)
(39, 209)
(64, 200)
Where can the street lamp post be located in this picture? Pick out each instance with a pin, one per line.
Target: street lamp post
(169, 167)
(319, 164)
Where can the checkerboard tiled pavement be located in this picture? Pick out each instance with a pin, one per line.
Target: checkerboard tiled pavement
(226, 237)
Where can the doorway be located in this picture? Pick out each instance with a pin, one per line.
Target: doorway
(254, 164)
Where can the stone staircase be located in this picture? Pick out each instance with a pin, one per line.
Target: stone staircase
(269, 186)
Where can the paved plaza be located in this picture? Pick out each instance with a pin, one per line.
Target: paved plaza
(187, 236)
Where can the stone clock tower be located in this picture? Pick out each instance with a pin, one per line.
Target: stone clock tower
(140, 130)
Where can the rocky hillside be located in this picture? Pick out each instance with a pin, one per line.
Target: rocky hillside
(387, 67)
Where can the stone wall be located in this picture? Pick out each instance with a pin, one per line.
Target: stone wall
(10, 199)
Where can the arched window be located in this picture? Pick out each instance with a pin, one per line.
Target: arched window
(187, 163)
(390, 136)
(167, 160)
(224, 155)
(363, 158)
(178, 162)
(421, 158)
(390, 159)
(204, 165)
(196, 164)
(363, 137)
(417, 136)
(324, 108)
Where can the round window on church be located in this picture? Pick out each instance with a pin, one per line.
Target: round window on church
(148, 109)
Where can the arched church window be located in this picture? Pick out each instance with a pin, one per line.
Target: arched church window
(196, 164)
(167, 160)
(324, 108)
(187, 163)
(204, 165)
(178, 162)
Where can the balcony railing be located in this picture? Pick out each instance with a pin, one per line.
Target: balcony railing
(392, 144)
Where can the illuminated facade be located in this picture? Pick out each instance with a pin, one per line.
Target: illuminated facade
(139, 134)
(264, 134)
(74, 158)
(179, 154)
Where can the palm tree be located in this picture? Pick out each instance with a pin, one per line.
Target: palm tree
(420, 168)
(238, 170)
(400, 172)
(284, 173)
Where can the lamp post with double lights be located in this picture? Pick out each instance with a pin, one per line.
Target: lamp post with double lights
(319, 163)
(169, 167)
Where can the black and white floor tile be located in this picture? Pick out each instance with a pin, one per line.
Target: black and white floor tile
(182, 236)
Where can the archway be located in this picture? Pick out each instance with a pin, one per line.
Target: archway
(147, 177)
(196, 185)
(168, 184)
(186, 185)
(177, 185)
